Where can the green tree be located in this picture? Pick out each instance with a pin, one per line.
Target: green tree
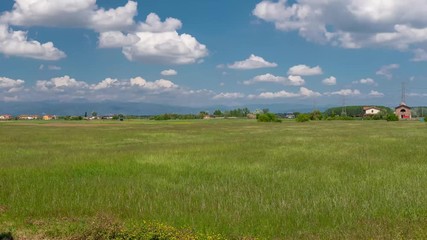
(268, 117)
(303, 117)
(316, 115)
(392, 117)
(217, 113)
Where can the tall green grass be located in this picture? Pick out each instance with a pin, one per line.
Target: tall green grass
(358, 179)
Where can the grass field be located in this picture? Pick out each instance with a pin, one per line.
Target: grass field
(236, 178)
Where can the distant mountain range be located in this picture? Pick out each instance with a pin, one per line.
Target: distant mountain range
(109, 108)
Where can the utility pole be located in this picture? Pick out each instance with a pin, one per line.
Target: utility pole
(344, 108)
(403, 97)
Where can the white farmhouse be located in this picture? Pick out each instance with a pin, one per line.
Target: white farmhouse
(371, 110)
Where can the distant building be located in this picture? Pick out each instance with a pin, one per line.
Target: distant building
(6, 117)
(251, 116)
(371, 110)
(49, 117)
(403, 111)
(28, 117)
(290, 115)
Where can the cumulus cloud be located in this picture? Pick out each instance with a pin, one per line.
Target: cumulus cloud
(116, 39)
(153, 23)
(70, 13)
(386, 70)
(270, 78)
(156, 42)
(169, 72)
(253, 62)
(367, 81)
(376, 94)
(420, 55)
(8, 83)
(114, 19)
(231, 95)
(60, 84)
(106, 83)
(295, 81)
(330, 81)
(303, 92)
(345, 92)
(350, 23)
(165, 47)
(156, 85)
(304, 70)
(152, 41)
(16, 43)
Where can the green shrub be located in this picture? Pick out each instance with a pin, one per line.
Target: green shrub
(268, 117)
(303, 118)
(392, 117)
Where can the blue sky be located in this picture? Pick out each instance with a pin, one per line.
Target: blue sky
(201, 53)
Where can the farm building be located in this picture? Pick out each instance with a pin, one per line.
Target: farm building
(371, 110)
(6, 117)
(49, 117)
(28, 117)
(403, 111)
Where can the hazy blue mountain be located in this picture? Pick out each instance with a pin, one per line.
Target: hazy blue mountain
(107, 108)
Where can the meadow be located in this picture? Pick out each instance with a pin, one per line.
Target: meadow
(229, 178)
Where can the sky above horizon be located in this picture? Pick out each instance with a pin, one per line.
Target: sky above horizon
(204, 53)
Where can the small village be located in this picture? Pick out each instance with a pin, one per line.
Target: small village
(403, 112)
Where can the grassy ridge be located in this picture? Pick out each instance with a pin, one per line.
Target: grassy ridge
(236, 178)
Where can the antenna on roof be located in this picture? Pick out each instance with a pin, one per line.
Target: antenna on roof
(344, 108)
(403, 97)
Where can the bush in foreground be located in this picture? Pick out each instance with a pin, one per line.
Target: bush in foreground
(392, 117)
(303, 118)
(268, 117)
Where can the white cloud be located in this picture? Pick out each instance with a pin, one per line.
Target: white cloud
(165, 47)
(367, 81)
(152, 41)
(54, 67)
(271, 95)
(169, 72)
(295, 81)
(154, 24)
(253, 62)
(303, 92)
(330, 81)
(304, 70)
(376, 94)
(270, 78)
(386, 70)
(156, 85)
(232, 95)
(70, 13)
(15, 43)
(116, 39)
(345, 92)
(420, 55)
(114, 19)
(9, 83)
(417, 94)
(266, 78)
(350, 23)
(106, 83)
(60, 84)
